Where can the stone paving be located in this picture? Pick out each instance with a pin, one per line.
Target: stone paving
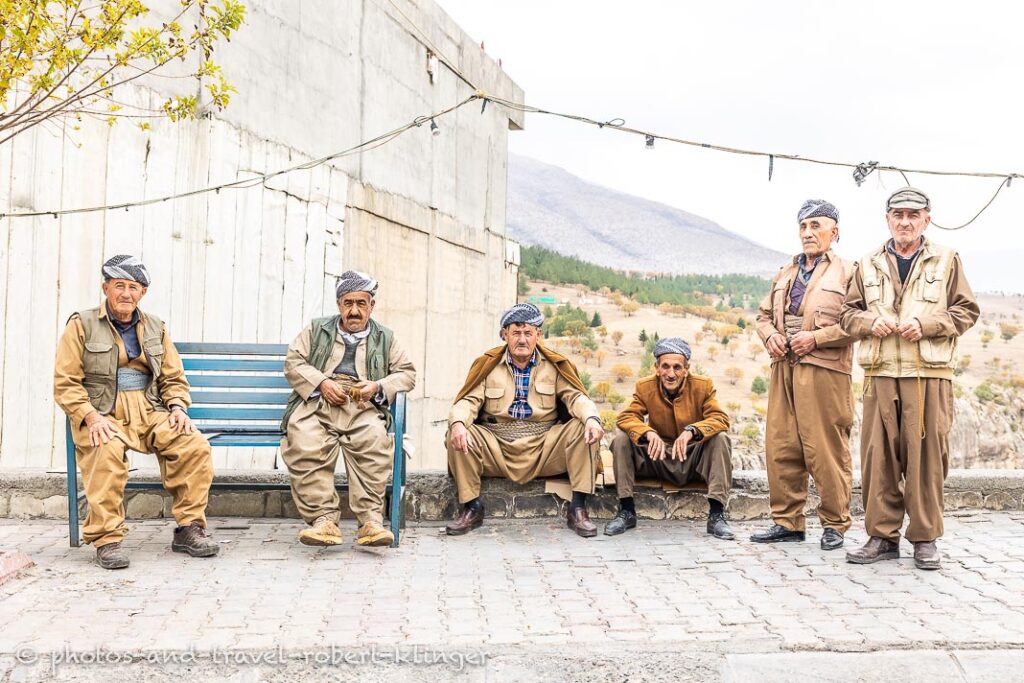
(526, 596)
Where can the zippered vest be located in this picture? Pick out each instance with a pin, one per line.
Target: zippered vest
(378, 354)
(924, 293)
(100, 358)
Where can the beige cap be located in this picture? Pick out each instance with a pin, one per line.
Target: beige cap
(908, 198)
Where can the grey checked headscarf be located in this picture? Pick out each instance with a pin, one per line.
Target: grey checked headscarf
(125, 267)
(526, 314)
(814, 208)
(355, 281)
(672, 345)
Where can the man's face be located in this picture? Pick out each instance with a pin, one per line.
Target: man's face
(522, 340)
(672, 369)
(817, 234)
(123, 297)
(355, 309)
(907, 226)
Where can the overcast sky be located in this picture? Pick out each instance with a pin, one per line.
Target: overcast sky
(914, 84)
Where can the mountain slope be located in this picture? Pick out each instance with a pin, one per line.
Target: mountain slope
(552, 208)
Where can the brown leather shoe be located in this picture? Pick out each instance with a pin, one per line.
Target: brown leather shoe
(578, 520)
(926, 555)
(471, 517)
(194, 540)
(874, 550)
(112, 556)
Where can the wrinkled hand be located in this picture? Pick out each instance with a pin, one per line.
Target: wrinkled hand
(101, 430)
(180, 421)
(802, 343)
(593, 431)
(679, 447)
(460, 438)
(655, 446)
(911, 331)
(333, 392)
(883, 327)
(368, 389)
(776, 346)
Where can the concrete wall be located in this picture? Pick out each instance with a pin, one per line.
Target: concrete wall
(426, 214)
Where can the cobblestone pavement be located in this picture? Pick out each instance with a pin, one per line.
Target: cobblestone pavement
(528, 597)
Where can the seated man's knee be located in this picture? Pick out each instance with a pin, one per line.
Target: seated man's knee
(621, 440)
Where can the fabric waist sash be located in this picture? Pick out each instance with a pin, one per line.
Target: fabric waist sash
(130, 379)
(517, 429)
(793, 324)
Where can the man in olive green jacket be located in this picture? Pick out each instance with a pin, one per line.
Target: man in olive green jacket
(121, 382)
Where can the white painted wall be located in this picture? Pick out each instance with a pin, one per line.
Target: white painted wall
(425, 214)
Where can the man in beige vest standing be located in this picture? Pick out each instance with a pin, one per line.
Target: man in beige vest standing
(345, 370)
(121, 382)
(908, 302)
(810, 397)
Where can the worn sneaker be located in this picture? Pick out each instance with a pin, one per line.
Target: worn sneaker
(374, 534)
(194, 540)
(112, 556)
(323, 532)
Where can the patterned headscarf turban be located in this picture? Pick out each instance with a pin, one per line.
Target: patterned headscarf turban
(672, 345)
(527, 314)
(125, 267)
(814, 208)
(354, 281)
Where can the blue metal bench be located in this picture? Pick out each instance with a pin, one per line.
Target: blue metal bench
(239, 394)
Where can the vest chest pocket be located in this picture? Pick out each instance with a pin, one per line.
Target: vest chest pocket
(155, 353)
(779, 295)
(493, 393)
(872, 293)
(545, 394)
(931, 287)
(99, 359)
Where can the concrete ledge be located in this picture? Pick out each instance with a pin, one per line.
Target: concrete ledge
(430, 496)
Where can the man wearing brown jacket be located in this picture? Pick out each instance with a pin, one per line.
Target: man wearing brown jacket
(673, 431)
(522, 413)
(122, 384)
(810, 397)
(908, 303)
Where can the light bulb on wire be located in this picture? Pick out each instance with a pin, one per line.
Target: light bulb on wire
(650, 142)
(434, 130)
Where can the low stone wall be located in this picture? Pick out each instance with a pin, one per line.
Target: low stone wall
(430, 496)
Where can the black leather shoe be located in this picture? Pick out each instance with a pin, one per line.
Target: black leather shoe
(471, 517)
(718, 527)
(831, 539)
(625, 519)
(777, 534)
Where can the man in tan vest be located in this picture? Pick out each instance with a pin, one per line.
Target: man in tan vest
(120, 380)
(673, 431)
(810, 397)
(346, 370)
(522, 413)
(908, 303)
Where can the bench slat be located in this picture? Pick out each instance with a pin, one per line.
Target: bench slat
(208, 428)
(236, 413)
(244, 440)
(240, 381)
(236, 364)
(210, 348)
(278, 398)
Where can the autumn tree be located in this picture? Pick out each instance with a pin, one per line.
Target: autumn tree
(616, 337)
(600, 355)
(629, 307)
(733, 374)
(62, 60)
(755, 350)
(616, 399)
(621, 372)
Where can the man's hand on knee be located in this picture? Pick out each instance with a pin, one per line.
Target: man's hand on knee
(180, 421)
(655, 446)
(460, 438)
(593, 431)
(333, 392)
(101, 430)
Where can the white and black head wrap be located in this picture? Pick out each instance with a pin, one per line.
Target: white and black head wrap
(672, 345)
(817, 208)
(125, 267)
(355, 281)
(525, 314)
